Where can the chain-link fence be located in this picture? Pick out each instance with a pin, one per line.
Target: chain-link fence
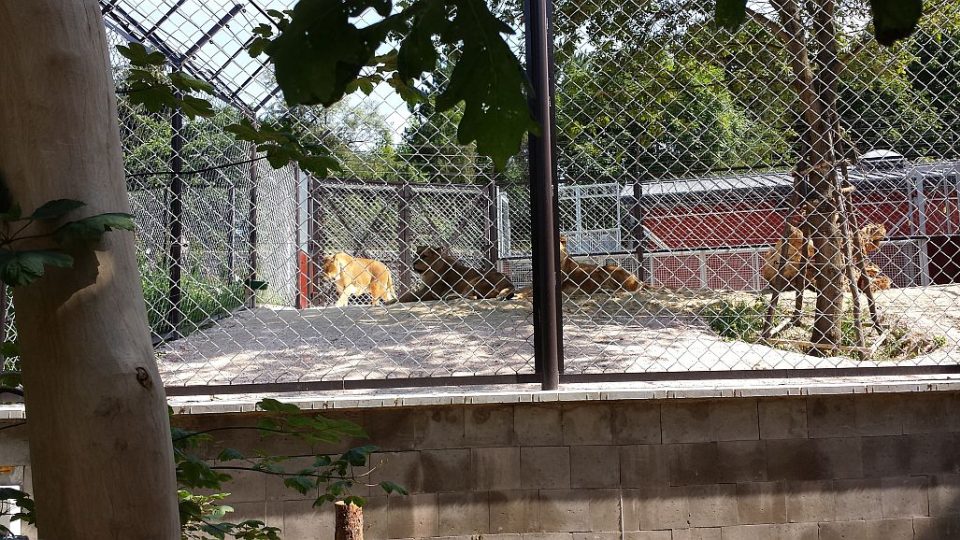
(792, 158)
(786, 196)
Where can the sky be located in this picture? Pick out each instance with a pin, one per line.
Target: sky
(185, 25)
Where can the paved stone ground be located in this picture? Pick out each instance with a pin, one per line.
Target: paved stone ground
(653, 331)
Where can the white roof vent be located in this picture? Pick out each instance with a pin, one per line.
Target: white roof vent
(882, 159)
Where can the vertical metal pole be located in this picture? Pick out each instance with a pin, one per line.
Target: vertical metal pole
(317, 225)
(493, 235)
(547, 318)
(405, 237)
(639, 233)
(175, 269)
(299, 297)
(232, 231)
(251, 300)
(3, 318)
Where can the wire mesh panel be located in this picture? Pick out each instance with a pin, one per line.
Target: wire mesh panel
(254, 275)
(781, 196)
(754, 169)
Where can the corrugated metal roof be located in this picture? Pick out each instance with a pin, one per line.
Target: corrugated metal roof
(783, 179)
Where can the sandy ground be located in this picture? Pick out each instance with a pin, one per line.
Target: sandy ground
(653, 331)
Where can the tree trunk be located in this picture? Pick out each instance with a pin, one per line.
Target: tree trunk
(100, 447)
(819, 167)
(349, 522)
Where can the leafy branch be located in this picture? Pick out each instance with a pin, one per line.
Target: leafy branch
(331, 477)
(203, 516)
(320, 54)
(23, 267)
(150, 84)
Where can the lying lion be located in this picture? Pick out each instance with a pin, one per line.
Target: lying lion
(444, 276)
(869, 237)
(590, 278)
(356, 276)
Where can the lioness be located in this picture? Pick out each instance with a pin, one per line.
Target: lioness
(870, 238)
(444, 276)
(590, 278)
(790, 272)
(356, 276)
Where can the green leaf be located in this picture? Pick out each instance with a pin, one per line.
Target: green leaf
(357, 457)
(267, 424)
(11, 494)
(244, 130)
(55, 210)
(193, 107)
(301, 484)
(320, 52)
(140, 56)
(319, 165)
(489, 80)
(731, 13)
(409, 93)
(417, 53)
(92, 228)
(155, 97)
(229, 454)
(18, 268)
(895, 19)
(187, 83)
(272, 405)
(258, 46)
(9, 348)
(390, 488)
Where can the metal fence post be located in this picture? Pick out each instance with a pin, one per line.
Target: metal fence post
(547, 317)
(251, 292)
(405, 236)
(492, 234)
(300, 296)
(174, 316)
(232, 232)
(638, 232)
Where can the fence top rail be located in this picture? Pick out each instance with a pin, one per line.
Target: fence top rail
(661, 252)
(395, 184)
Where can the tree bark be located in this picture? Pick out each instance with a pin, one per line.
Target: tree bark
(820, 168)
(100, 449)
(349, 522)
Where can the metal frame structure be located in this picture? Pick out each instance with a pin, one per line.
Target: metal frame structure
(639, 247)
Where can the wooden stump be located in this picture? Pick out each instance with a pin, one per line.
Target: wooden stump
(349, 522)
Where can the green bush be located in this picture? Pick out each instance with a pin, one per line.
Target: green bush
(736, 320)
(203, 299)
(743, 321)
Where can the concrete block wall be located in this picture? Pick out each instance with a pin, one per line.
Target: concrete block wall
(867, 466)
(820, 468)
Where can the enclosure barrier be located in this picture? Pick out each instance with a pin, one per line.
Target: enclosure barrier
(684, 213)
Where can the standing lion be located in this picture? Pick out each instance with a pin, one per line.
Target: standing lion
(869, 237)
(356, 276)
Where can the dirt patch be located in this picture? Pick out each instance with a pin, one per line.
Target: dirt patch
(651, 331)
